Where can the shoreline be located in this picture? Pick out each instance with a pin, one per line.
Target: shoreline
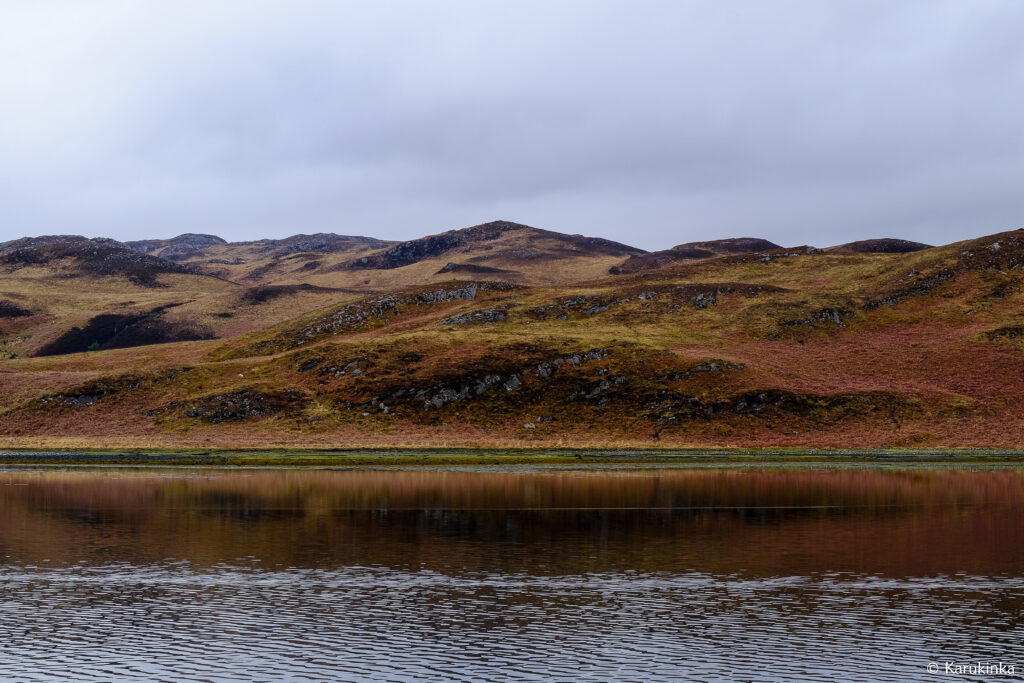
(382, 457)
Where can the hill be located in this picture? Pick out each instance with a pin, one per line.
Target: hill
(501, 241)
(74, 255)
(179, 248)
(692, 251)
(518, 252)
(259, 261)
(772, 347)
(879, 246)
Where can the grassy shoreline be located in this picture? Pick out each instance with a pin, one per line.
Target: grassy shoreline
(369, 457)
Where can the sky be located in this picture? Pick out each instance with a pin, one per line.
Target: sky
(651, 123)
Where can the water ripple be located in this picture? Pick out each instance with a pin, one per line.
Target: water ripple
(176, 622)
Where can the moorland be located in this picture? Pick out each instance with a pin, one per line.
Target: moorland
(504, 335)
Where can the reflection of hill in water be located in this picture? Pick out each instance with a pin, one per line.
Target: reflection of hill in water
(760, 523)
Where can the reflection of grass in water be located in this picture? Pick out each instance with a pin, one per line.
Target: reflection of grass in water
(655, 488)
(507, 456)
(770, 522)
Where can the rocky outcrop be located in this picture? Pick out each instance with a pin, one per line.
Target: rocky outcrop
(486, 316)
(712, 366)
(235, 406)
(916, 284)
(548, 367)
(820, 408)
(91, 393)
(824, 316)
(597, 389)
(442, 393)
(380, 308)
(1011, 332)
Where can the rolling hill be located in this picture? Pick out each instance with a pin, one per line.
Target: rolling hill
(503, 334)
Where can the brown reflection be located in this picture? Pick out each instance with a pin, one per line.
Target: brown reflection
(763, 523)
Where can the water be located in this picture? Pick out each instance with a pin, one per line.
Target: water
(848, 574)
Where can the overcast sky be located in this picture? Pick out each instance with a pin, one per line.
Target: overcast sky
(653, 123)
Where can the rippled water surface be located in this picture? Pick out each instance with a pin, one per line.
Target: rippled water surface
(849, 574)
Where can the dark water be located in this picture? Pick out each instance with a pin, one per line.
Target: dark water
(849, 574)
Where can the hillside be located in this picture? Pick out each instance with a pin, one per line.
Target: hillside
(461, 338)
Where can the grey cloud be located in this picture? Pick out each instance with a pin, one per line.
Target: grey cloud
(651, 122)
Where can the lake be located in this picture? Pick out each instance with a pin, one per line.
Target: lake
(785, 573)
